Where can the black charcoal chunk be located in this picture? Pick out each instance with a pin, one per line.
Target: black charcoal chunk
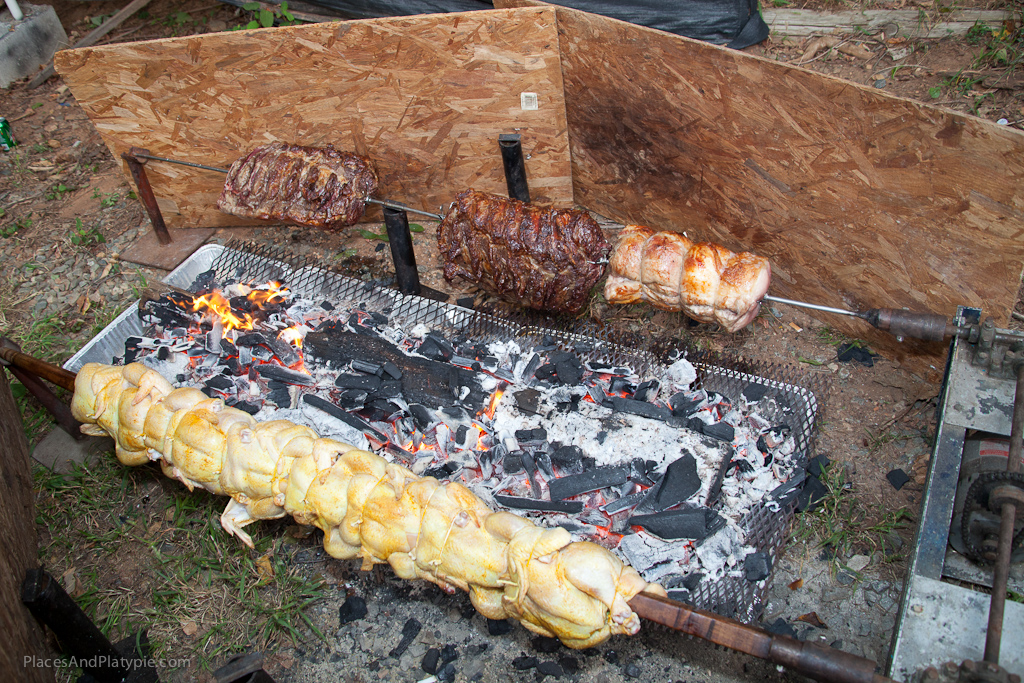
(641, 408)
(570, 665)
(592, 480)
(220, 382)
(811, 494)
(544, 464)
(632, 670)
(781, 627)
(431, 660)
(527, 401)
(379, 318)
(757, 566)
(624, 503)
(247, 407)
(854, 352)
(898, 478)
(571, 507)
(366, 367)
(537, 434)
(647, 391)
(205, 281)
(410, 630)
(512, 463)
(449, 654)
(568, 458)
(621, 384)
(391, 370)
(423, 416)
(163, 353)
(816, 466)
(443, 471)
(460, 434)
(545, 644)
(368, 383)
(389, 388)
(723, 431)
(524, 663)
(638, 472)
(327, 306)
(466, 301)
(742, 466)
(344, 416)
(208, 391)
(283, 374)
(680, 482)
(352, 609)
(284, 351)
(279, 394)
(546, 372)
(688, 523)
(569, 371)
(754, 392)
(692, 580)
(611, 656)
(548, 669)
(499, 627)
(435, 348)
(352, 399)
(680, 595)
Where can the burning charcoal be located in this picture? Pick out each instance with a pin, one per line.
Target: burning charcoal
(353, 399)
(723, 431)
(511, 463)
(568, 506)
(647, 391)
(680, 482)
(247, 407)
(431, 349)
(754, 392)
(649, 410)
(777, 435)
(625, 503)
(638, 472)
(546, 372)
(344, 416)
(379, 318)
(485, 459)
(352, 609)
(757, 566)
(544, 464)
(689, 523)
(284, 352)
(460, 435)
(531, 473)
(380, 410)
(527, 401)
(526, 435)
(568, 458)
(410, 630)
(244, 356)
(365, 366)
(327, 305)
(606, 369)
(423, 415)
(621, 385)
(443, 471)
(283, 374)
(369, 384)
(391, 370)
(220, 382)
(531, 368)
(593, 480)
(569, 371)
(279, 394)
(683, 404)
(206, 281)
(251, 339)
(389, 389)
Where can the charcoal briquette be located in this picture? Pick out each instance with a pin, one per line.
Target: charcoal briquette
(811, 494)
(754, 392)
(898, 478)
(568, 458)
(816, 466)
(247, 407)
(352, 399)
(569, 371)
(366, 366)
(220, 382)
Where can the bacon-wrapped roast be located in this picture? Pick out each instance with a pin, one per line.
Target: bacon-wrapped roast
(705, 281)
(546, 259)
(367, 508)
(316, 186)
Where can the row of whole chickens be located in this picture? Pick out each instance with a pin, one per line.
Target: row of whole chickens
(367, 507)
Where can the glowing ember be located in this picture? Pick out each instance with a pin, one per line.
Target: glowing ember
(215, 303)
(495, 399)
(292, 335)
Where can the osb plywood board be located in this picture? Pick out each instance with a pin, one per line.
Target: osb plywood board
(424, 97)
(859, 199)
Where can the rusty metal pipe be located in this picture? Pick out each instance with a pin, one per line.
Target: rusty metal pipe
(39, 368)
(1001, 571)
(135, 158)
(809, 659)
(57, 408)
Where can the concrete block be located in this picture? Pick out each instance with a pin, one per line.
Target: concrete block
(59, 452)
(30, 43)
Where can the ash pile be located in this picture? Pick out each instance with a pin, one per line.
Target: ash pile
(687, 470)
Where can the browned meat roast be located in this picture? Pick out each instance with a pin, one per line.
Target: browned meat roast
(316, 186)
(547, 259)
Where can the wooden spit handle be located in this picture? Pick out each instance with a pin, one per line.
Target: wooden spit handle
(39, 368)
(809, 659)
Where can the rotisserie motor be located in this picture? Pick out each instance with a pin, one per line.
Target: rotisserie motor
(367, 508)
(705, 281)
(546, 259)
(315, 186)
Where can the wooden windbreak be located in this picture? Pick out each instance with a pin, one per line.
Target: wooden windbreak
(424, 97)
(858, 199)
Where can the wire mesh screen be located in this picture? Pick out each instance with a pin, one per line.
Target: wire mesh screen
(791, 396)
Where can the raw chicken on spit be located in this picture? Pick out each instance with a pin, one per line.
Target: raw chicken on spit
(367, 507)
(703, 280)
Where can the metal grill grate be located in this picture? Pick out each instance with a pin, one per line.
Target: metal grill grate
(792, 396)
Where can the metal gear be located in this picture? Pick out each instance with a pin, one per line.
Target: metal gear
(980, 499)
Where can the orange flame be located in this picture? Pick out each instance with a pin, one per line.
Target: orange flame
(218, 305)
(493, 405)
(292, 335)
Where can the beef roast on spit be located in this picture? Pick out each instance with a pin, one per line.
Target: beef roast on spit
(546, 259)
(703, 280)
(320, 187)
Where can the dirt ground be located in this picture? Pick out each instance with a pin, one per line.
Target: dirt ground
(135, 548)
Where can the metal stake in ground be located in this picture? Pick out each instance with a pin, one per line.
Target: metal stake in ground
(400, 239)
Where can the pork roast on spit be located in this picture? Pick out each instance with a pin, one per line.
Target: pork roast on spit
(367, 507)
(703, 280)
(546, 259)
(320, 187)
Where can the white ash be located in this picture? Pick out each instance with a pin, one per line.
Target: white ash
(654, 557)
(680, 375)
(320, 422)
(720, 553)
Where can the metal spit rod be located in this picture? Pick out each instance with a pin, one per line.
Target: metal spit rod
(382, 202)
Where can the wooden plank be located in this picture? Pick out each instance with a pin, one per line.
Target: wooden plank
(424, 97)
(909, 23)
(24, 653)
(858, 198)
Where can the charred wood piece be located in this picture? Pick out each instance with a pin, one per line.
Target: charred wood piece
(593, 480)
(571, 507)
(283, 374)
(641, 408)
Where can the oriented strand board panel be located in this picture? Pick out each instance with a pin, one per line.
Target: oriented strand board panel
(859, 199)
(424, 97)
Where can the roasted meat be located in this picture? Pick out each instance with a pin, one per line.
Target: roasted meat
(316, 186)
(705, 281)
(546, 259)
(367, 507)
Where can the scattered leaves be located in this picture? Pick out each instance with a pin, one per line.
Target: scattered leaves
(812, 619)
(265, 569)
(190, 628)
(371, 235)
(793, 585)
